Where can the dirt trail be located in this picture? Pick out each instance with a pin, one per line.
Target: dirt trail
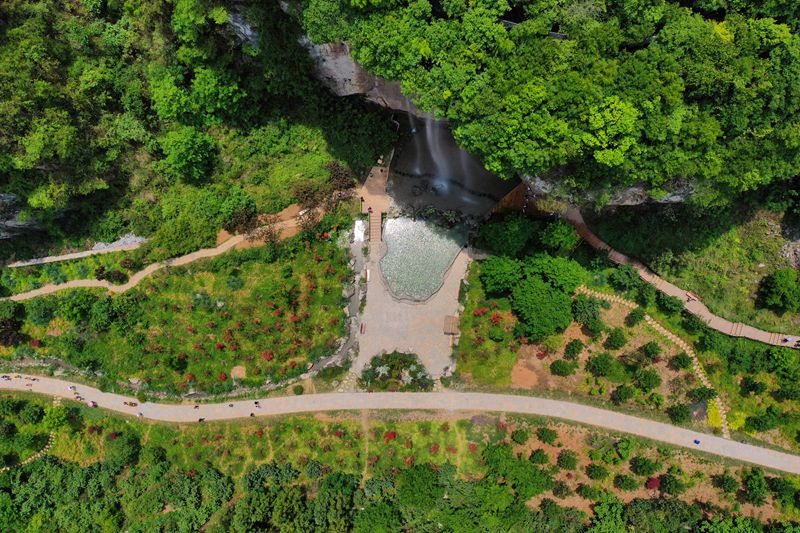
(287, 225)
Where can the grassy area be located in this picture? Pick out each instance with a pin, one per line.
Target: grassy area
(720, 255)
(486, 352)
(113, 266)
(242, 318)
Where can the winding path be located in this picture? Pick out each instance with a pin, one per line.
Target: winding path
(690, 303)
(437, 401)
(235, 241)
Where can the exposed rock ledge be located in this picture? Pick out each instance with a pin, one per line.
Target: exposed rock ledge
(337, 69)
(10, 221)
(677, 192)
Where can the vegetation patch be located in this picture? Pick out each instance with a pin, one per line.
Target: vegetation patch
(395, 372)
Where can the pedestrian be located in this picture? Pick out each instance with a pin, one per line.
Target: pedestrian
(230, 405)
(196, 406)
(369, 210)
(201, 419)
(252, 414)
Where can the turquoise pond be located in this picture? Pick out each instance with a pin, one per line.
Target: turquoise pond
(418, 255)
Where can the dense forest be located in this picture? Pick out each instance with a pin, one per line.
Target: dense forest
(156, 118)
(600, 93)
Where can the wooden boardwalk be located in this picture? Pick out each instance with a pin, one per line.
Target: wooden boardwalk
(693, 305)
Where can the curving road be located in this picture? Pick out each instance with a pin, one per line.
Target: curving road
(447, 401)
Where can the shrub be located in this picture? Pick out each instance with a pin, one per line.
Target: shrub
(647, 379)
(559, 235)
(189, 154)
(520, 436)
(8, 309)
(573, 349)
(669, 304)
(616, 339)
(634, 317)
(769, 420)
(646, 295)
(585, 309)
(679, 413)
(563, 368)
(701, 394)
(605, 365)
(542, 310)
(547, 435)
(783, 490)
(726, 483)
(596, 472)
(755, 486)
(642, 466)
(682, 361)
(298, 389)
(561, 489)
(40, 311)
(31, 413)
(624, 278)
(781, 290)
(622, 394)
(589, 492)
(539, 457)
(651, 350)
(567, 459)
(750, 386)
(672, 485)
(626, 483)
(500, 274)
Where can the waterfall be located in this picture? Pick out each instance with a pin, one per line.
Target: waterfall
(417, 168)
(243, 30)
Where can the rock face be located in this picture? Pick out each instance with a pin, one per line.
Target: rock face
(791, 252)
(337, 69)
(635, 195)
(10, 221)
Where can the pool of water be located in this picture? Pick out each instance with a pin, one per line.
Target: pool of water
(418, 255)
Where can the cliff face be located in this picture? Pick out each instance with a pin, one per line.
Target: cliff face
(337, 69)
(10, 221)
(635, 195)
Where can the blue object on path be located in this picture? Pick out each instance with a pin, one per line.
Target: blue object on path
(696, 441)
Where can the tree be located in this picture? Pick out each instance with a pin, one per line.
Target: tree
(669, 304)
(755, 486)
(596, 472)
(539, 457)
(672, 485)
(616, 339)
(585, 309)
(634, 317)
(642, 466)
(702, 394)
(547, 435)
(573, 349)
(651, 350)
(679, 413)
(682, 361)
(542, 310)
(562, 273)
(603, 365)
(624, 278)
(559, 236)
(31, 413)
(622, 394)
(418, 487)
(626, 483)
(562, 367)
(750, 386)
(567, 459)
(55, 417)
(647, 379)
(378, 517)
(500, 274)
(781, 290)
(726, 482)
(189, 154)
(507, 236)
(520, 436)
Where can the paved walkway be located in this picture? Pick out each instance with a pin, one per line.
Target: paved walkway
(682, 344)
(694, 306)
(284, 227)
(438, 401)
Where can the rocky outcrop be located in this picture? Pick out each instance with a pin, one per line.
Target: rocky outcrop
(677, 191)
(10, 221)
(337, 69)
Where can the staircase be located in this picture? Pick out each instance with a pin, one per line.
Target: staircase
(375, 234)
